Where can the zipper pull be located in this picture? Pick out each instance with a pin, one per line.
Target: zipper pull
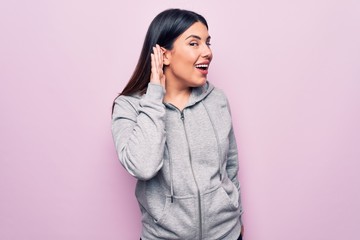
(182, 115)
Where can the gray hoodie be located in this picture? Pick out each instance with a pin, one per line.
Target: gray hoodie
(185, 161)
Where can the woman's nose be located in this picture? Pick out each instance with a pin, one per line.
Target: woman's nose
(206, 52)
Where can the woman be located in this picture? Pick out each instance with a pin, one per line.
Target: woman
(173, 132)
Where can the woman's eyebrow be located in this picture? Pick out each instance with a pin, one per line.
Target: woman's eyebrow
(197, 37)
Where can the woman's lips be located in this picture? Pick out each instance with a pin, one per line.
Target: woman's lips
(203, 71)
(202, 67)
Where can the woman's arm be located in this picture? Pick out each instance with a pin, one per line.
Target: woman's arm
(138, 127)
(139, 132)
(232, 164)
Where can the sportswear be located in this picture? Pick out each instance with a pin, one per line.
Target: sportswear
(186, 163)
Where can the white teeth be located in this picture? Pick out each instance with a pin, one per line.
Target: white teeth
(202, 65)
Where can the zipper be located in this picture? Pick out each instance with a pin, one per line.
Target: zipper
(192, 170)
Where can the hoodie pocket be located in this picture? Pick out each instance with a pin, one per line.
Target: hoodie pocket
(233, 203)
(178, 220)
(221, 211)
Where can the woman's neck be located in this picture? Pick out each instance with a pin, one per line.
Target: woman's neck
(178, 97)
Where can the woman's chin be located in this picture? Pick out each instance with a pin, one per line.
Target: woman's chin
(199, 83)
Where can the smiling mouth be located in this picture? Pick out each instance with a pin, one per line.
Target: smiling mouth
(202, 66)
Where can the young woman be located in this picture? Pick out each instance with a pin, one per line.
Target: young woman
(173, 132)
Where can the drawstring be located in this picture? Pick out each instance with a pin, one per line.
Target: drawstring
(171, 174)
(217, 139)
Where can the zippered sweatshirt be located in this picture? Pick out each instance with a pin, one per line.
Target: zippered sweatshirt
(186, 163)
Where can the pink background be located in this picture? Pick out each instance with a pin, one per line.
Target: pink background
(291, 70)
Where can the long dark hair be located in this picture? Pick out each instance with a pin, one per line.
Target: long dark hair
(163, 30)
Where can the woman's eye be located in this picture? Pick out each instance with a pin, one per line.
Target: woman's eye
(193, 44)
(208, 43)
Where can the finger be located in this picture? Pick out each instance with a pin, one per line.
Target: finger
(152, 62)
(160, 56)
(155, 59)
(152, 65)
(163, 50)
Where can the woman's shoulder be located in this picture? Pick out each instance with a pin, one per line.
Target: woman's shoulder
(125, 103)
(126, 98)
(218, 98)
(217, 94)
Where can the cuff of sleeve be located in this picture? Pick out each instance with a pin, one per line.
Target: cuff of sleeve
(155, 91)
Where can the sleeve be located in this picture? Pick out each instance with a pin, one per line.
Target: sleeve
(232, 164)
(139, 132)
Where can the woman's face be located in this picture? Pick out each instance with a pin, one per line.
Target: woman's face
(187, 63)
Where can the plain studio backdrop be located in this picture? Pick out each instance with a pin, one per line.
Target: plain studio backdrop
(291, 70)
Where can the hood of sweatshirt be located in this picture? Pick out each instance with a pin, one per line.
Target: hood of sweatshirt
(199, 93)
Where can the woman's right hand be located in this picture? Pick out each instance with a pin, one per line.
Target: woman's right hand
(157, 75)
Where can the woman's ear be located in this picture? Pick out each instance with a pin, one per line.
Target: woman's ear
(166, 56)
